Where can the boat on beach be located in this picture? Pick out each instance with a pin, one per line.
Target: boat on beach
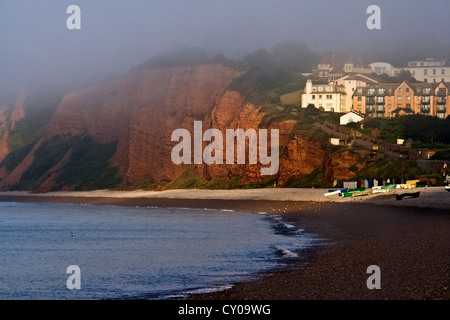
(389, 186)
(407, 195)
(357, 192)
(447, 188)
(335, 192)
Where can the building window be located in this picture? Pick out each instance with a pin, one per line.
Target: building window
(320, 96)
(313, 96)
(418, 106)
(320, 89)
(400, 90)
(434, 71)
(425, 80)
(399, 106)
(399, 98)
(442, 71)
(329, 96)
(408, 98)
(359, 107)
(441, 115)
(407, 89)
(359, 90)
(359, 98)
(389, 106)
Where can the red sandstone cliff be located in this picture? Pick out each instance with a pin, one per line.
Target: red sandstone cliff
(142, 110)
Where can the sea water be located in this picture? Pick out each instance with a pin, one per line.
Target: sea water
(136, 252)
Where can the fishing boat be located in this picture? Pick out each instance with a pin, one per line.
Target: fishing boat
(350, 192)
(389, 186)
(407, 195)
(357, 193)
(335, 192)
(362, 193)
(447, 188)
(356, 190)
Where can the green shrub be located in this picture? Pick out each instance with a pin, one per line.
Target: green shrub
(86, 169)
(15, 157)
(88, 166)
(441, 155)
(315, 179)
(396, 168)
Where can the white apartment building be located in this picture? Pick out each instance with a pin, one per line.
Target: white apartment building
(380, 68)
(330, 97)
(430, 70)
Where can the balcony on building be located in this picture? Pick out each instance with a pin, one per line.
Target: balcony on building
(380, 100)
(426, 100)
(369, 108)
(370, 100)
(380, 110)
(425, 109)
(441, 100)
(441, 108)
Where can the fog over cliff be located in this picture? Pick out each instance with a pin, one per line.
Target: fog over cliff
(39, 51)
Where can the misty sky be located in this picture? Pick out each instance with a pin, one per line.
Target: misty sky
(37, 48)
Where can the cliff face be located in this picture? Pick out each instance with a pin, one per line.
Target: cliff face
(142, 110)
(10, 113)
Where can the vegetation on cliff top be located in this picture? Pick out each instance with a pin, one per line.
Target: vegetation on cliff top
(418, 128)
(271, 74)
(394, 168)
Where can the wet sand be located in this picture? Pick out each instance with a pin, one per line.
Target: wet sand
(409, 240)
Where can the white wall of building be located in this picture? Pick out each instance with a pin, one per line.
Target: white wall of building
(349, 117)
(324, 96)
(382, 67)
(430, 74)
